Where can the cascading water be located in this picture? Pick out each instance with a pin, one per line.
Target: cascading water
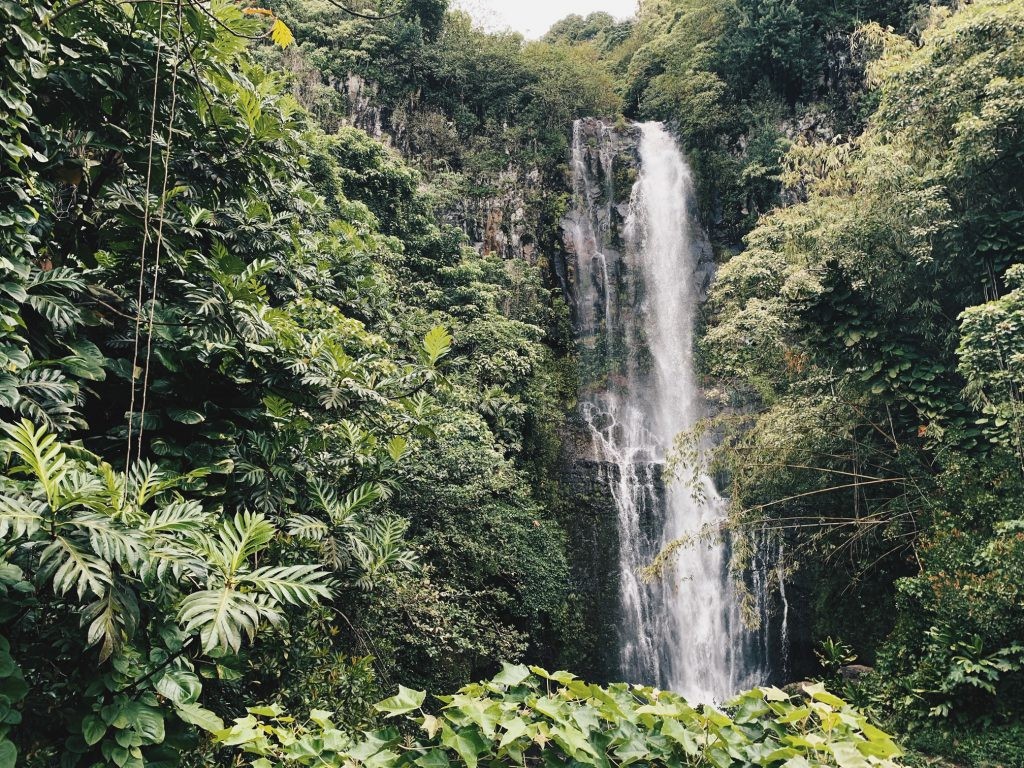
(636, 295)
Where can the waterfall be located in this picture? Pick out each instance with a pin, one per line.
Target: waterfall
(636, 292)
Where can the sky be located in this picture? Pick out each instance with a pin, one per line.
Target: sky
(534, 17)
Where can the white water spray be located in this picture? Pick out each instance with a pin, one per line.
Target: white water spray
(636, 298)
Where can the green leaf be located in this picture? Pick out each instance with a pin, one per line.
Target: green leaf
(511, 675)
(883, 750)
(573, 742)
(435, 758)
(322, 718)
(431, 725)
(436, 344)
(179, 686)
(827, 698)
(241, 538)
(467, 742)
(372, 743)
(383, 759)
(186, 416)
(562, 677)
(87, 362)
(147, 721)
(8, 754)
(848, 756)
(290, 585)
(199, 716)
(42, 455)
(406, 700)
(93, 729)
(397, 447)
(72, 568)
(281, 34)
(515, 728)
(273, 710)
(680, 734)
(221, 616)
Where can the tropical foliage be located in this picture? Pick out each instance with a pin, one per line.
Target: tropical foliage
(274, 431)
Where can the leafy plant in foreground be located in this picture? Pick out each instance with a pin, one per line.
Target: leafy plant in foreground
(526, 716)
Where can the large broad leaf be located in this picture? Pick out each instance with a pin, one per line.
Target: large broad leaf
(467, 742)
(8, 754)
(180, 686)
(145, 720)
(93, 729)
(511, 674)
(186, 415)
(86, 362)
(197, 715)
(515, 728)
(435, 758)
(406, 700)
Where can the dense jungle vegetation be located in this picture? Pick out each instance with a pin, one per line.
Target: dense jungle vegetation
(286, 363)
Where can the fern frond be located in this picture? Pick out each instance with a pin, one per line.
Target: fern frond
(146, 481)
(60, 279)
(59, 311)
(111, 620)
(181, 517)
(254, 270)
(359, 499)
(307, 528)
(335, 555)
(70, 568)
(223, 616)
(179, 560)
(84, 489)
(240, 539)
(42, 455)
(108, 541)
(379, 549)
(290, 584)
(20, 516)
(323, 494)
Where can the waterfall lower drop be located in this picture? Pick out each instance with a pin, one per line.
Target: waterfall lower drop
(636, 295)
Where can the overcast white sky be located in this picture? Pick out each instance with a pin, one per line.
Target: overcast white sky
(534, 17)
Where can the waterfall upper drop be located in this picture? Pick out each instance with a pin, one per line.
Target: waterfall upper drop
(636, 279)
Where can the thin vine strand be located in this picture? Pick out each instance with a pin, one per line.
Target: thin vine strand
(145, 242)
(160, 226)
